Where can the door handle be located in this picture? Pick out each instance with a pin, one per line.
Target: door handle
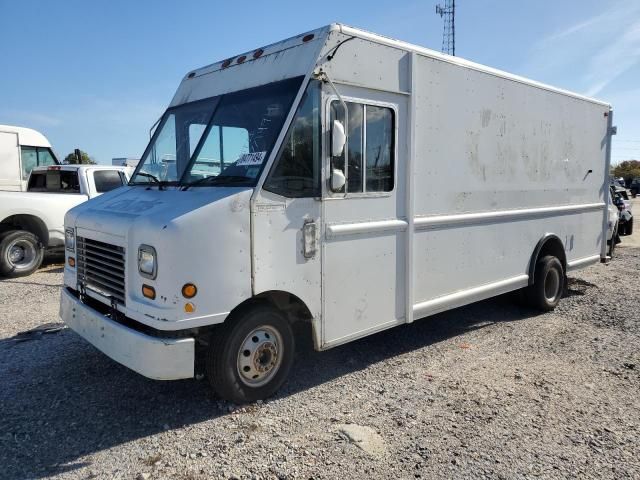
(309, 239)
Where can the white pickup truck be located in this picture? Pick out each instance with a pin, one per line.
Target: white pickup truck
(33, 221)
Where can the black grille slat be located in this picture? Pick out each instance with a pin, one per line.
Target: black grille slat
(107, 266)
(102, 271)
(117, 283)
(101, 267)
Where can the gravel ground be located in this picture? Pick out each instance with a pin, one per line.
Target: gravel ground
(489, 390)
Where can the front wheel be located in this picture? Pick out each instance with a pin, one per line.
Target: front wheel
(250, 358)
(20, 253)
(548, 285)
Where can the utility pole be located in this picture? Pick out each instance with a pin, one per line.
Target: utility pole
(448, 12)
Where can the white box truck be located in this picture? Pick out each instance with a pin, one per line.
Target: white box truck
(341, 179)
(22, 149)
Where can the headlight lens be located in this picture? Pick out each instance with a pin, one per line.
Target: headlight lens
(70, 239)
(147, 261)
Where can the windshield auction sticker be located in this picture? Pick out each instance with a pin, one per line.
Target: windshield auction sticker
(250, 159)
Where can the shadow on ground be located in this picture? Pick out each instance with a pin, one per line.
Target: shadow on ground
(61, 399)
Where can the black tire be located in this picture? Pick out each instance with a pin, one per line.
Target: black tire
(548, 284)
(21, 253)
(253, 340)
(613, 242)
(629, 229)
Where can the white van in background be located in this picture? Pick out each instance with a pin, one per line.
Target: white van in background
(22, 149)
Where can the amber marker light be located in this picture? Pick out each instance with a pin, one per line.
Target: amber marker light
(189, 290)
(149, 292)
(189, 307)
(71, 261)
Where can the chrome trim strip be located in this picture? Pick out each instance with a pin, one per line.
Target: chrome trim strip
(582, 262)
(339, 230)
(439, 221)
(470, 295)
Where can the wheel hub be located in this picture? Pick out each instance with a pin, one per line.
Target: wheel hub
(16, 254)
(260, 356)
(552, 285)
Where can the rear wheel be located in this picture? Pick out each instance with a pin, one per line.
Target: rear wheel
(548, 285)
(250, 358)
(20, 253)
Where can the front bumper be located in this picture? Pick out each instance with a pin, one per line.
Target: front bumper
(157, 358)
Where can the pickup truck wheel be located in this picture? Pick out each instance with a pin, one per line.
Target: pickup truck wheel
(20, 253)
(548, 285)
(250, 358)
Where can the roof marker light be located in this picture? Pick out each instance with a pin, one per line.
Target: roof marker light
(308, 37)
(191, 75)
(258, 53)
(241, 58)
(227, 62)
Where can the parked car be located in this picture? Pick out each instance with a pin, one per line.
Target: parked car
(621, 200)
(33, 221)
(22, 149)
(635, 187)
(613, 237)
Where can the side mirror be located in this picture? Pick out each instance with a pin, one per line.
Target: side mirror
(338, 139)
(337, 180)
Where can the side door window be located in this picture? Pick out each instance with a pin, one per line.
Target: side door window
(29, 160)
(107, 180)
(296, 171)
(368, 158)
(35, 157)
(46, 157)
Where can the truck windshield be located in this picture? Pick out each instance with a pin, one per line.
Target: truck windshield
(221, 140)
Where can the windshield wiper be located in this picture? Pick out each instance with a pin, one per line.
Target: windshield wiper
(217, 180)
(161, 183)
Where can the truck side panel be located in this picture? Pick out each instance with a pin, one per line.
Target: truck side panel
(492, 155)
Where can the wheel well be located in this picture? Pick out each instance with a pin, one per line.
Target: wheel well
(293, 308)
(550, 244)
(29, 223)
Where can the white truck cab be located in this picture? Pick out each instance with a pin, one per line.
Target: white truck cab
(310, 181)
(22, 149)
(32, 222)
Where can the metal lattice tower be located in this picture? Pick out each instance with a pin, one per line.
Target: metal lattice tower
(448, 12)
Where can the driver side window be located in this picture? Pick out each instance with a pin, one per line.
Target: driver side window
(296, 172)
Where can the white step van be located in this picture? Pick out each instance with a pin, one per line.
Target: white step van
(340, 179)
(22, 149)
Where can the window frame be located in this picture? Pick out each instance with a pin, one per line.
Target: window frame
(57, 192)
(37, 150)
(123, 180)
(329, 194)
(319, 187)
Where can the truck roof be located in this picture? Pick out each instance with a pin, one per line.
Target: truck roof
(296, 41)
(80, 167)
(27, 136)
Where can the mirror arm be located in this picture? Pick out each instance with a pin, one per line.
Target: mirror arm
(322, 75)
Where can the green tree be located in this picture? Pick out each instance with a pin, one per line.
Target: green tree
(85, 159)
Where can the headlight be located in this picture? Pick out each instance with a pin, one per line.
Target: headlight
(147, 261)
(70, 240)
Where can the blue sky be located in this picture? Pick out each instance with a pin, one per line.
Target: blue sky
(96, 75)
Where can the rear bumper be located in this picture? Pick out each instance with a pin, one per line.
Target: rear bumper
(157, 358)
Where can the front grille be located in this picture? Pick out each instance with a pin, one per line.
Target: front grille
(101, 267)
